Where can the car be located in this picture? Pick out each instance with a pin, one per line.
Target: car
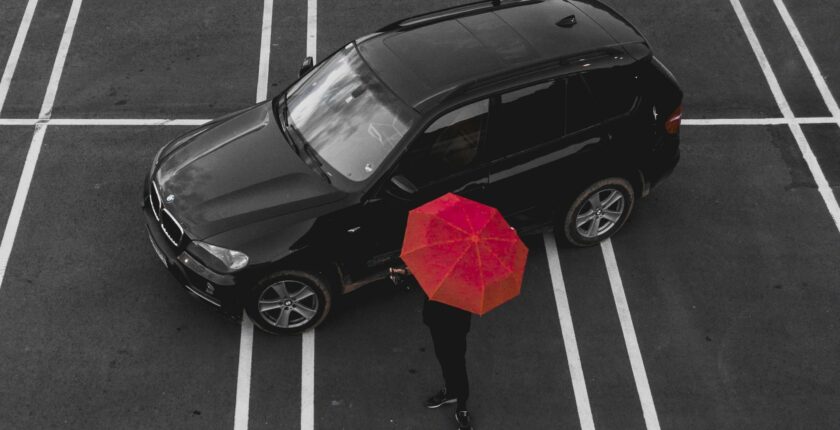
(555, 112)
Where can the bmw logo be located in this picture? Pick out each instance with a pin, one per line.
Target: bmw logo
(170, 198)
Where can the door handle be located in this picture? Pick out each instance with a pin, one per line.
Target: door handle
(353, 229)
(472, 186)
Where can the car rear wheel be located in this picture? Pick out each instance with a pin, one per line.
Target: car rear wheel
(598, 212)
(289, 302)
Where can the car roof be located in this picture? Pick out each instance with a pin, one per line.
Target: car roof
(428, 56)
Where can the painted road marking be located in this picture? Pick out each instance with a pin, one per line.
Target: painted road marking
(307, 380)
(830, 102)
(197, 122)
(17, 47)
(246, 334)
(307, 360)
(629, 332)
(567, 328)
(37, 140)
(312, 28)
(811, 160)
(243, 375)
(265, 51)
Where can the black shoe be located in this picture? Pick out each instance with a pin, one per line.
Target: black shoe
(439, 399)
(463, 420)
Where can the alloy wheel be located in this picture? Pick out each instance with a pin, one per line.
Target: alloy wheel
(600, 213)
(288, 304)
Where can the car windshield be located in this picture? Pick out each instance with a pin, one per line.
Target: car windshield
(347, 115)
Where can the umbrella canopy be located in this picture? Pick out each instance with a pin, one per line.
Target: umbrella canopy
(464, 254)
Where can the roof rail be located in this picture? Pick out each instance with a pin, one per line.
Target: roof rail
(455, 12)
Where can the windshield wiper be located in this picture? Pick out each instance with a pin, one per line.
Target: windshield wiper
(285, 126)
(292, 134)
(312, 161)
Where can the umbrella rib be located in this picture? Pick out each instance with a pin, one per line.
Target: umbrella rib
(449, 272)
(499, 259)
(481, 277)
(499, 239)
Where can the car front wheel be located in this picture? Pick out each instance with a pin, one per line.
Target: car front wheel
(289, 302)
(598, 212)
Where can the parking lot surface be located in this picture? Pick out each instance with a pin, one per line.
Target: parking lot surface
(716, 307)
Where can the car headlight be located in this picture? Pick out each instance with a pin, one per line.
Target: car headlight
(217, 258)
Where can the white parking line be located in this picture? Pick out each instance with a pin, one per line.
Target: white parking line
(307, 381)
(198, 122)
(307, 363)
(103, 121)
(243, 375)
(830, 102)
(760, 121)
(17, 47)
(811, 160)
(567, 328)
(312, 28)
(37, 140)
(630, 341)
(265, 51)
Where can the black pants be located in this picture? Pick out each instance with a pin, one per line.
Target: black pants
(450, 349)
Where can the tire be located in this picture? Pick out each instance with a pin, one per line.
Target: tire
(289, 302)
(598, 212)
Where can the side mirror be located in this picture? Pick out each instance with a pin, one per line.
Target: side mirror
(402, 184)
(307, 65)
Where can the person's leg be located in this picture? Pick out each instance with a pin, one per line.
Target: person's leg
(442, 348)
(440, 341)
(458, 368)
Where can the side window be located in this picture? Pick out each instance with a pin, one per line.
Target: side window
(449, 145)
(615, 91)
(580, 106)
(527, 117)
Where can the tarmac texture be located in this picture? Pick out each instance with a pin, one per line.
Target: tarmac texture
(716, 307)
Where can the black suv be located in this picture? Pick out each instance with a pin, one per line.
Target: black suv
(555, 112)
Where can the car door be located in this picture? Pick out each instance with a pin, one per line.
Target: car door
(537, 135)
(448, 156)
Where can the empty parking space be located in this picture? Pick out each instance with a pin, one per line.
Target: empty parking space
(728, 272)
(790, 68)
(13, 11)
(603, 355)
(159, 59)
(816, 20)
(825, 141)
(14, 142)
(92, 324)
(704, 46)
(27, 88)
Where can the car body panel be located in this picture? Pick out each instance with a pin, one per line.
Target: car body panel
(268, 179)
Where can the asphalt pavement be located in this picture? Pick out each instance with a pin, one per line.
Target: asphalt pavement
(729, 268)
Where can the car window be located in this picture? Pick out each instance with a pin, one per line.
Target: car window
(348, 116)
(580, 107)
(527, 117)
(614, 91)
(449, 145)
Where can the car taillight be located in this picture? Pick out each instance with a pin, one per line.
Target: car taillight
(672, 124)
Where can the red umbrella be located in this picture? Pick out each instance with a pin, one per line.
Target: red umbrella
(464, 254)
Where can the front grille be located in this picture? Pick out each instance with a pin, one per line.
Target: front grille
(171, 228)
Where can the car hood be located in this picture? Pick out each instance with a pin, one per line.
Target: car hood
(236, 171)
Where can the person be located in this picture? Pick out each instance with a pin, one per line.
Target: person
(449, 327)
